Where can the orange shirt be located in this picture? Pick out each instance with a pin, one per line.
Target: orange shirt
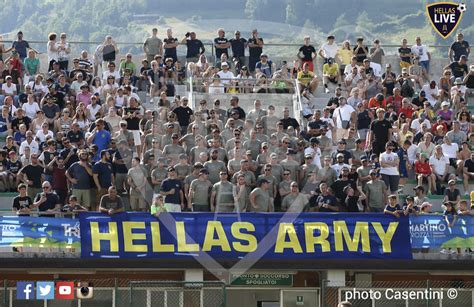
(374, 103)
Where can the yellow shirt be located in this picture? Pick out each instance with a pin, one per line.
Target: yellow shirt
(330, 70)
(305, 78)
(345, 56)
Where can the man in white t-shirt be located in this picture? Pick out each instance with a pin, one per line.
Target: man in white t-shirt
(418, 124)
(449, 148)
(111, 72)
(422, 52)
(225, 74)
(342, 117)
(329, 49)
(439, 164)
(314, 151)
(9, 89)
(431, 92)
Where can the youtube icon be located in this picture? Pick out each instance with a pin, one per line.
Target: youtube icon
(64, 290)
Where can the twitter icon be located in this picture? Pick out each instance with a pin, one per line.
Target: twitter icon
(45, 290)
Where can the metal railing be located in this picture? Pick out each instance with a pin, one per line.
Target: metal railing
(244, 86)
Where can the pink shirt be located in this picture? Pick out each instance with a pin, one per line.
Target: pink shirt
(84, 97)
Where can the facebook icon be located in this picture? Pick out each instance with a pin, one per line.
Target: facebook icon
(25, 290)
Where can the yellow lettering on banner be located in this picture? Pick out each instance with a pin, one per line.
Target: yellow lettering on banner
(361, 235)
(111, 236)
(210, 241)
(312, 240)
(129, 237)
(181, 238)
(159, 247)
(293, 243)
(252, 241)
(385, 237)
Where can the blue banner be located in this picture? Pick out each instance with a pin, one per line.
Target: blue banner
(25, 231)
(432, 231)
(232, 236)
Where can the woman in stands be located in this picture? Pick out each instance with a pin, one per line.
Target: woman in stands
(81, 117)
(344, 55)
(64, 122)
(201, 65)
(96, 86)
(417, 72)
(38, 121)
(216, 86)
(445, 84)
(51, 50)
(464, 119)
(110, 88)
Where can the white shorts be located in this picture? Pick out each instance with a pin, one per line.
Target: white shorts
(137, 140)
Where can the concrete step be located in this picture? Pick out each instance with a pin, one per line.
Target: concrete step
(410, 184)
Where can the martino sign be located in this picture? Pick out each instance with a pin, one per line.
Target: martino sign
(445, 16)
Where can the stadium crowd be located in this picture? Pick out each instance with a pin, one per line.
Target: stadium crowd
(78, 136)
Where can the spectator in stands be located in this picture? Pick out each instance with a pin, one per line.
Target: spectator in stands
(255, 45)
(79, 174)
(195, 47)
(22, 203)
(468, 173)
(307, 53)
(458, 68)
(424, 173)
(265, 66)
(198, 196)
(308, 79)
(111, 203)
(331, 74)
(379, 133)
(459, 48)
(328, 50)
(47, 201)
(360, 51)
(376, 191)
(393, 208)
(420, 50)
(344, 117)
(171, 188)
(153, 45)
(63, 49)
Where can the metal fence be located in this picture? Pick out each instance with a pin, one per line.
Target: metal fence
(414, 293)
(177, 294)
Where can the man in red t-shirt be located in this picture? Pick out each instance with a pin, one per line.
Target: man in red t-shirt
(423, 172)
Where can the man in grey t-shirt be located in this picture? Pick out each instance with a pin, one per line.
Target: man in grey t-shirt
(111, 203)
(222, 196)
(376, 192)
(260, 199)
(198, 196)
(153, 46)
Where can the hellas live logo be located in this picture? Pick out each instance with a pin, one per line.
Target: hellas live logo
(445, 16)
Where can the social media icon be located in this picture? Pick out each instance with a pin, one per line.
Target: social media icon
(65, 290)
(25, 290)
(45, 290)
(84, 290)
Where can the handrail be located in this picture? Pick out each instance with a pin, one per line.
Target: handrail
(205, 43)
(191, 99)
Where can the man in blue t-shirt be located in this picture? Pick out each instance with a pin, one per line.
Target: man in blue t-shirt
(171, 188)
(102, 174)
(265, 65)
(194, 47)
(100, 136)
(21, 46)
(79, 174)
